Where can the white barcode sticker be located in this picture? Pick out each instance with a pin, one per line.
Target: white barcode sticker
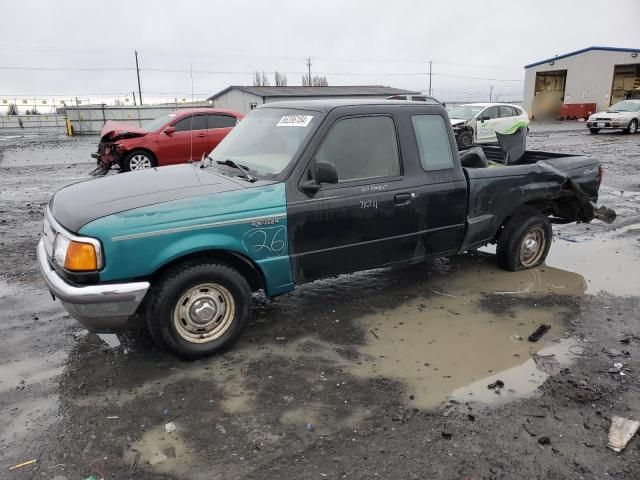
(295, 121)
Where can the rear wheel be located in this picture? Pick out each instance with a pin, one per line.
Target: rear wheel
(594, 130)
(633, 126)
(199, 309)
(524, 242)
(465, 139)
(138, 160)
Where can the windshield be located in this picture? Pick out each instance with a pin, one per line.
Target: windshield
(267, 139)
(625, 106)
(154, 125)
(464, 111)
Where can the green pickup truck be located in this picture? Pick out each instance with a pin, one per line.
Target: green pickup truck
(296, 192)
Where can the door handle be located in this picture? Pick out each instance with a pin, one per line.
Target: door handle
(402, 198)
(200, 135)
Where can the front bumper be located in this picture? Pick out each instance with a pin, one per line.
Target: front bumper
(608, 124)
(100, 308)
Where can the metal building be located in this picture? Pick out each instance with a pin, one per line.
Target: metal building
(596, 75)
(244, 99)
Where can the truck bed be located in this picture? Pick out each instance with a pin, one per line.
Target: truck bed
(559, 179)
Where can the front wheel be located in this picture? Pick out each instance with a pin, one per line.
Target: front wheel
(138, 160)
(633, 126)
(594, 130)
(199, 309)
(465, 139)
(524, 242)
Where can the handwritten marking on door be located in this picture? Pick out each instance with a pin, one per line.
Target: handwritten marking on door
(266, 241)
(364, 204)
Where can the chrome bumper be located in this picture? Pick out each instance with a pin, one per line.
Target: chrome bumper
(98, 307)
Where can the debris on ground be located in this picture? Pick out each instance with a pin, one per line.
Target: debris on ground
(547, 363)
(621, 432)
(544, 441)
(498, 384)
(539, 332)
(23, 464)
(170, 427)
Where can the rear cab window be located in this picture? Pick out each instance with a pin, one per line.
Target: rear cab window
(362, 148)
(432, 137)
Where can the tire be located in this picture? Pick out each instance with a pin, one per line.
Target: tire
(138, 160)
(198, 309)
(465, 138)
(633, 126)
(594, 130)
(524, 242)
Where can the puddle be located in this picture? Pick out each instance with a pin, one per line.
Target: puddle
(441, 344)
(610, 265)
(520, 381)
(454, 335)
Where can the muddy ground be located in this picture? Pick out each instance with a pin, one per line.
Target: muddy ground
(381, 374)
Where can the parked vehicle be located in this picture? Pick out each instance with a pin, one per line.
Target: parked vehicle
(416, 98)
(624, 115)
(296, 192)
(177, 137)
(479, 122)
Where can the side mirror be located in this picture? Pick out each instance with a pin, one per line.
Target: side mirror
(325, 172)
(169, 130)
(482, 118)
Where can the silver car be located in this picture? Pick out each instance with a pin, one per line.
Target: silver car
(624, 115)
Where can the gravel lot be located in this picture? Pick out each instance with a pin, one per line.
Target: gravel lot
(381, 374)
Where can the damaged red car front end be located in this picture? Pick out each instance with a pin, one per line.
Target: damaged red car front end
(109, 151)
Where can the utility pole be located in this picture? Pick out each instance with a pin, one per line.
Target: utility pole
(134, 98)
(430, 63)
(138, 73)
(308, 62)
(490, 92)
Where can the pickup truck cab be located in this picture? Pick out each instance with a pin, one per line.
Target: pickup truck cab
(296, 192)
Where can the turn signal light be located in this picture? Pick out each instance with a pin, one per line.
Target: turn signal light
(81, 257)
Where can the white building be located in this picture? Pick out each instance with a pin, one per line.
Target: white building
(244, 99)
(600, 75)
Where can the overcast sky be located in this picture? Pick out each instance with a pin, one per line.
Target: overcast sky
(351, 42)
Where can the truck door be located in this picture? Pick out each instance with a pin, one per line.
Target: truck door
(367, 218)
(486, 124)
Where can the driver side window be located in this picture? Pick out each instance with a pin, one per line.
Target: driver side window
(491, 112)
(362, 147)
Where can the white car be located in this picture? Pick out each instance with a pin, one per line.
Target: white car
(479, 122)
(624, 115)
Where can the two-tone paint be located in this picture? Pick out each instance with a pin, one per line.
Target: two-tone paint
(151, 219)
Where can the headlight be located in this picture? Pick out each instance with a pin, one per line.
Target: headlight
(76, 255)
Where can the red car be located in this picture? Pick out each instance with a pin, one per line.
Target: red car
(177, 137)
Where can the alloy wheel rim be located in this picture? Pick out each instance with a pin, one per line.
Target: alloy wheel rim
(204, 313)
(532, 246)
(139, 162)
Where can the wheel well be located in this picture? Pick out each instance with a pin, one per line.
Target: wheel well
(563, 209)
(247, 268)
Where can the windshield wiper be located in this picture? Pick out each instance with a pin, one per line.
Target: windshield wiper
(241, 168)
